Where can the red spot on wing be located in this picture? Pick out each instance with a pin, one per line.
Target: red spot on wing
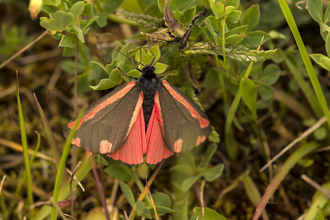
(131, 152)
(202, 121)
(178, 145)
(156, 147)
(76, 141)
(104, 104)
(105, 147)
(200, 140)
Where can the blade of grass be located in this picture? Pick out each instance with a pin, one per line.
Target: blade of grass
(303, 52)
(50, 135)
(23, 179)
(289, 163)
(304, 86)
(25, 150)
(61, 166)
(85, 167)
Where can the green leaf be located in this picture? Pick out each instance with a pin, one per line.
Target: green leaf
(319, 214)
(109, 67)
(63, 19)
(144, 59)
(145, 20)
(234, 39)
(238, 53)
(134, 73)
(234, 3)
(320, 133)
(327, 44)
(118, 171)
(68, 41)
(111, 6)
(142, 210)
(253, 38)
(209, 214)
(251, 190)
(105, 84)
(251, 17)
(176, 5)
(52, 2)
(270, 74)
(213, 173)
(77, 9)
(217, 8)
(234, 17)
(156, 54)
(182, 168)
(327, 15)
(102, 19)
(212, 79)
(161, 210)
(115, 75)
(88, 10)
(161, 199)
(160, 68)
(79, 33)
(101, 160)
(99, 64)
(213, 25)
(249, 95)
(211, 149)
(265, 91)
(187, 183)
(315, 9)
(127, 193)
(306, 162)
(321, 60)
(48, 23)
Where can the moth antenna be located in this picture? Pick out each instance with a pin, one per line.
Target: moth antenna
(130, 77)
(129, 58)
(153, 59)
(137, 67)
(167, 52)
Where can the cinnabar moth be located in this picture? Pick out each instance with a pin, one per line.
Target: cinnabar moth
(147, 116)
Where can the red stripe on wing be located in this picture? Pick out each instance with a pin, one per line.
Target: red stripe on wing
(156, 147)
(104, 104)
(202, 121)
(131, 152)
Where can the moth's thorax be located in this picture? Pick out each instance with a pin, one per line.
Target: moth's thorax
(148, 71)
(149, 84)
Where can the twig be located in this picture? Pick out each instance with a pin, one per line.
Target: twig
(23, 50)
(310, 130)
(315, 185)
(2, 181)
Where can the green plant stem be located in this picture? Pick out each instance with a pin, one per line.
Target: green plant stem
(25, 150)
(302, 49)
(230, 118)
(84, 168)
(61, 166)
(118, 19)
(289, 163)
(145, 190)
